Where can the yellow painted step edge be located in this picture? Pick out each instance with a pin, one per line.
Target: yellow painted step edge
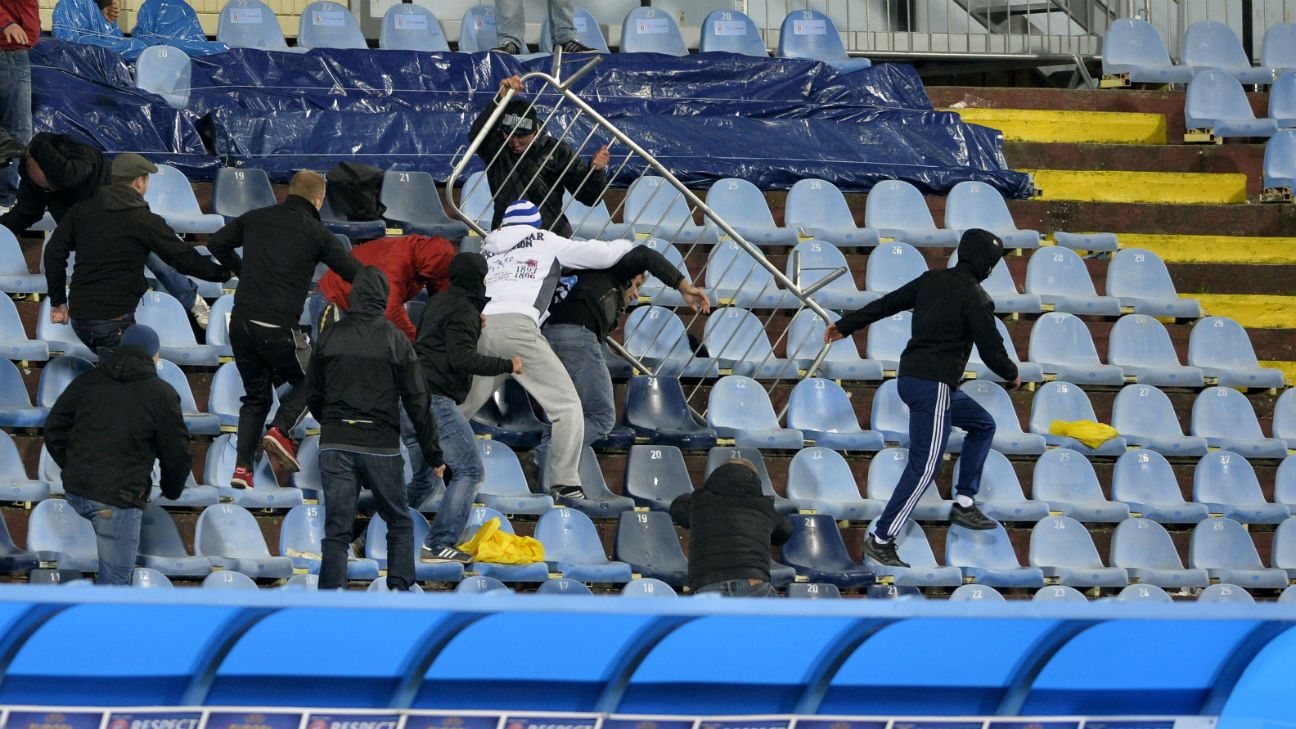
(1288, 370)
(1180, 188)
(1214, 248)
(1254, 311)
(1101, 127)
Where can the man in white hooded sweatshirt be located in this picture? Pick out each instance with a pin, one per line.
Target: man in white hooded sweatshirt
(524, 264)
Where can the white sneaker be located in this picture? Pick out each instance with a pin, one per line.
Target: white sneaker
(201, 312)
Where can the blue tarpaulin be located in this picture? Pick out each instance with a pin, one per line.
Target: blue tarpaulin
(173, 23)
(81, 21)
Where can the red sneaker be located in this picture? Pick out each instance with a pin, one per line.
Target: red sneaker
(281, 449)
(242, 478)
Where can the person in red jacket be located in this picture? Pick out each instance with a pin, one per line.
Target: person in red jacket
(19, 30)
(411, 263)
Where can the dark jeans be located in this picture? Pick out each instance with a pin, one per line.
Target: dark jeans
(268, 357)
(933, 408)
(344, 473)
(740, 588)
(464, 462)
(15, 114)
(117, 532)
(102, 335)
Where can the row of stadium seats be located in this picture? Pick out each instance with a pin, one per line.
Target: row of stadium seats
(1134, 50)
(1216, 107)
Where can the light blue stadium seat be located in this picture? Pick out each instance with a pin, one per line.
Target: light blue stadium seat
(733, 277)
(1212, 45)
(892, 265)
(194, 496)
(300, 539)
(731, 31)
(655, 475)
(563, 586)
(987, 557)
(478, 32)
(165, 71)
(15, 277)
(817, 552)
(1144, 480)
(237, 191)
(381, 586)
(820, 480)
(1282, 101)
(1026, 371)
(49, 472)
(892, 592)
(266, 493)
(1059, 593)
(978, 205)
(1288, 595)
(656, 208)
(1003, 290)
(228, 536)
(743, 206)
(532, 572)
(886, 339)
(883, 474)
(817, 209)
(1145, 417)
(1216, 102)
(481, 584)
(508, 417)
(647, 30)
(223, 399)
(1135, 48)
(657, 409)
(1226, 593)
(1068, 403)
(739, 408)
(149, 578)
(896, 209)
(655, 291)
(890, 417)
(974, 593)
(410, 27)
(1001, 496)
(1280, 161)
(1222, 547)
(1090, 242)
(822, 411)
(1059, 277)
(1278, 49)
(301, 582)
(1139, 278)
(1144, 548)
(721, 455)
(813, 590)
(1062, 345)
(412, 199)
(1224, 417)
(1285, 483)
(14, 344)
(1284, 418)
(1222, 349)
(55, 378)
(59, 337)
(167, 317)
(587, 30)
(229, 580)
(1141, 346)
(376, 551)
(923, 570)
(815, 260)
(250, 24)
(594, 221)
(657, 337)
(54, 526)
(647, 587)
(1009, 436)
(1227, 484)
(737, 341)
(1063, 549)
(14, 483)
(504, 487)
(161, 548)
(1067, 481)
(475, 197)
(198, 422)
(813, 35)
(572, 547)
(1284, 548)
(1143, 593)
(805, 339)
(171, 195)
(647, 541)
(599, 501)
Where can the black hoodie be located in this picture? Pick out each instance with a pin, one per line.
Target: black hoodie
(113, 234)
(75, 172)
(362, 371)
(731, 526)
(951, 312)
(109, 425)
(448, 332)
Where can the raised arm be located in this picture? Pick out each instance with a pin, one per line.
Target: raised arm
(985, 335)
(902, 299)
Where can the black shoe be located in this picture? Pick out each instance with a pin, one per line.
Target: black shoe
(507, 47)
(575, 46)
(445, 554)
(883, 554)
(570, 493)
(970, 517)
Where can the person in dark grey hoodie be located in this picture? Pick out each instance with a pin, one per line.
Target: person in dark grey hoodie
(951, 312)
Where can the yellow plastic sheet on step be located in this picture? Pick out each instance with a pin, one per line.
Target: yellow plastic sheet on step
(493, 545)
(1089, 432)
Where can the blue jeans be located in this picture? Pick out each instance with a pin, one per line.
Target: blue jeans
(343, 474)
(511, 21)
(423, 481)
(581, 354)
(117, 532)
(175, 283)
(15, 114)
(102, 335)
(933, 408)
(464, 463)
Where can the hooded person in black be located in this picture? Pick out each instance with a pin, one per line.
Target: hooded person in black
(56, 173)
(731, 524)
(951, 313)
(362, 372)
(447, 347)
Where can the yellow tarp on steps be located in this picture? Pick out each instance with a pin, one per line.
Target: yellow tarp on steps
(1100, 127)
(1173, 188)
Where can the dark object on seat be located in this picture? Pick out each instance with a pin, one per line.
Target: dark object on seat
(354, 191)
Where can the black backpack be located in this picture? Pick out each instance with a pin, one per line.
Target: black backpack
(354, 191)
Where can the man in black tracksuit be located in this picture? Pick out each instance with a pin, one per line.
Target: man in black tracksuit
(282, 244)
(105, 431)
(951, 312)
(363, 371)
(731, 524)
(113, 234)
(447, 350)
(518, 141)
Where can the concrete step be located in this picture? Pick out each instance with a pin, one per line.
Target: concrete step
(1169, 188)
(1246, 159)
(1103, 127)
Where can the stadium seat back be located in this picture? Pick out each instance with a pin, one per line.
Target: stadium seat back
(15, 277)
(60, 337)
(810, 34)
(1224, 477)
(913, 547)
(814, 260)
(884, 472)
(1282, 102)
(1143, 543)
(1284, 418)
(969, 593)
(1280, 157)
(1060, 272)
(821, 405)
(54, 526)
(1133, 43)
(887, 338)
(376, 537)
(736, 335)
(1221, 543)
(1278, 50)
(1059, 337)
(731, 272)
(721, 455)
(996, 401)
(817, 543)
(171, 374)
(1139, 340)
(999, 482)
(731, 31)
(1222, 412)
(1059, 401)
(1145, 410)
(478, 32)
(655, 332)
(647, 541)
(1284, 546)
(1143, 593)
(977, 205)
(805, 339)
(649, 30)
(508, 416)
(740, 402)
(1060, 541)
(1000, 281)
(1139, 273)
(411, 27)
(229, 580)
(986, 549)
(227, 530)
(250, 24)
(1144, 476)
(503, 471)
(569, 536)
(302, 530)
(475, 197)
(817, 203)
(587, 29)
(652, 287)
(478, 516)
(1065, 475)
(170, 192)
(648, 587)
(412, 196)
(651, 202)
(479, 584)
(890, 414)
(1059, 593)
(147, 577)
(1218, 341)
(1009, 347)
(821, 474)
(55, 378)
(562, 586)
(1213, 97)
(12, 470)
(655, 475)
(1212, 44)
(239, 190)
(161, 311)
(897, 205)
(1226, 593)
(159, 534)
(893, 265)
(165, 71)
